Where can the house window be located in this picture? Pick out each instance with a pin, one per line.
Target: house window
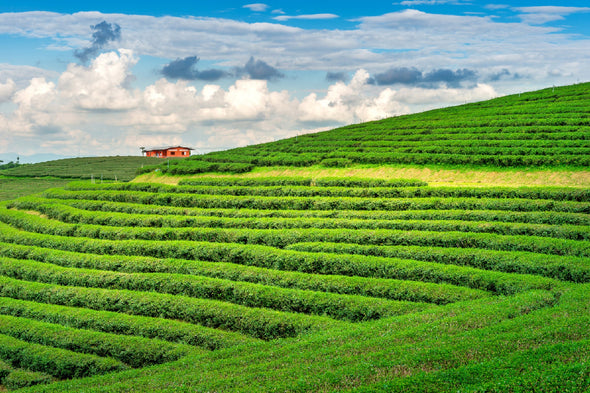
(172, 153)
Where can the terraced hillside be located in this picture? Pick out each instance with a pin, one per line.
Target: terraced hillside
(289, 284)
(255, 283)
(546, 128)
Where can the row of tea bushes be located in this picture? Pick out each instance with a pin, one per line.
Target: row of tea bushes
(71, 214)
(283, 237)
(269, 257)
(346, 307)
(256, 322)
(125, 324)
(413, 291)
(133, 351)
(554, 218)
(332, 187)
(324, 203)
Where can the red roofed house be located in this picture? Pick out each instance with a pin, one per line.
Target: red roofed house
(168, 152)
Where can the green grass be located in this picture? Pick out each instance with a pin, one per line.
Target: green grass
(15, 187)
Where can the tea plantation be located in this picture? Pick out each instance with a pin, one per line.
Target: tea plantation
(299, 284)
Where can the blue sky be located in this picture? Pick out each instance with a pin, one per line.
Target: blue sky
(107, 77)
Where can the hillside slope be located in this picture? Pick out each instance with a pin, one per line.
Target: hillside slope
(122, 168)
(546, 128)
(329, 283)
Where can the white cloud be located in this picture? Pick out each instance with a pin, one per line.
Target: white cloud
(283, 18)
(356, 101)
(7, 90)
(543, 14)
(101, 86)
(496, 6)
(432, 2)
(100, 105)
(407, 38)
(257, 7)
(22, 74)
(38, 95)
(94, 108)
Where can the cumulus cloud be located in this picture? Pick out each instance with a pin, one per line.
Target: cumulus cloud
(102, 34)
(450, 77)
(103, 85)
(349, 103)
(503, 74)
(96, 107)
(258, 69)
(186, 69)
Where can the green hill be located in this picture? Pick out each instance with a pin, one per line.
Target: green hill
(122, 168)
(546, 128)
(301, 284)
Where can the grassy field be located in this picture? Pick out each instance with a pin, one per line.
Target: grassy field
(370, 278)
(13, 187)
(122, 168)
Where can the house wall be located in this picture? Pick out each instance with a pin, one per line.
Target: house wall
(176, 152)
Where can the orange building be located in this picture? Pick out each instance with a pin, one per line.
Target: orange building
(168, 152)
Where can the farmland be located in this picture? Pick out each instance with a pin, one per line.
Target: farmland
(121, 168)
(257, 282)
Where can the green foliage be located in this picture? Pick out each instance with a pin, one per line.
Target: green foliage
(9, 165)
(133, 351)
(259, 323)
(382, 288)
(15, 187)
(563, 268)
(70, 214)
(59, 363)
(352, 188)
(23, 378)
(5, 370)
(346, 307)
(191, 167)
(336, 162)
(270, 257)
(324, 203)
(281, 238)
(300, 181)
(180, 216)
(121, 323)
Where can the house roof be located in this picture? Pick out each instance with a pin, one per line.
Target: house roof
(167, 148)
